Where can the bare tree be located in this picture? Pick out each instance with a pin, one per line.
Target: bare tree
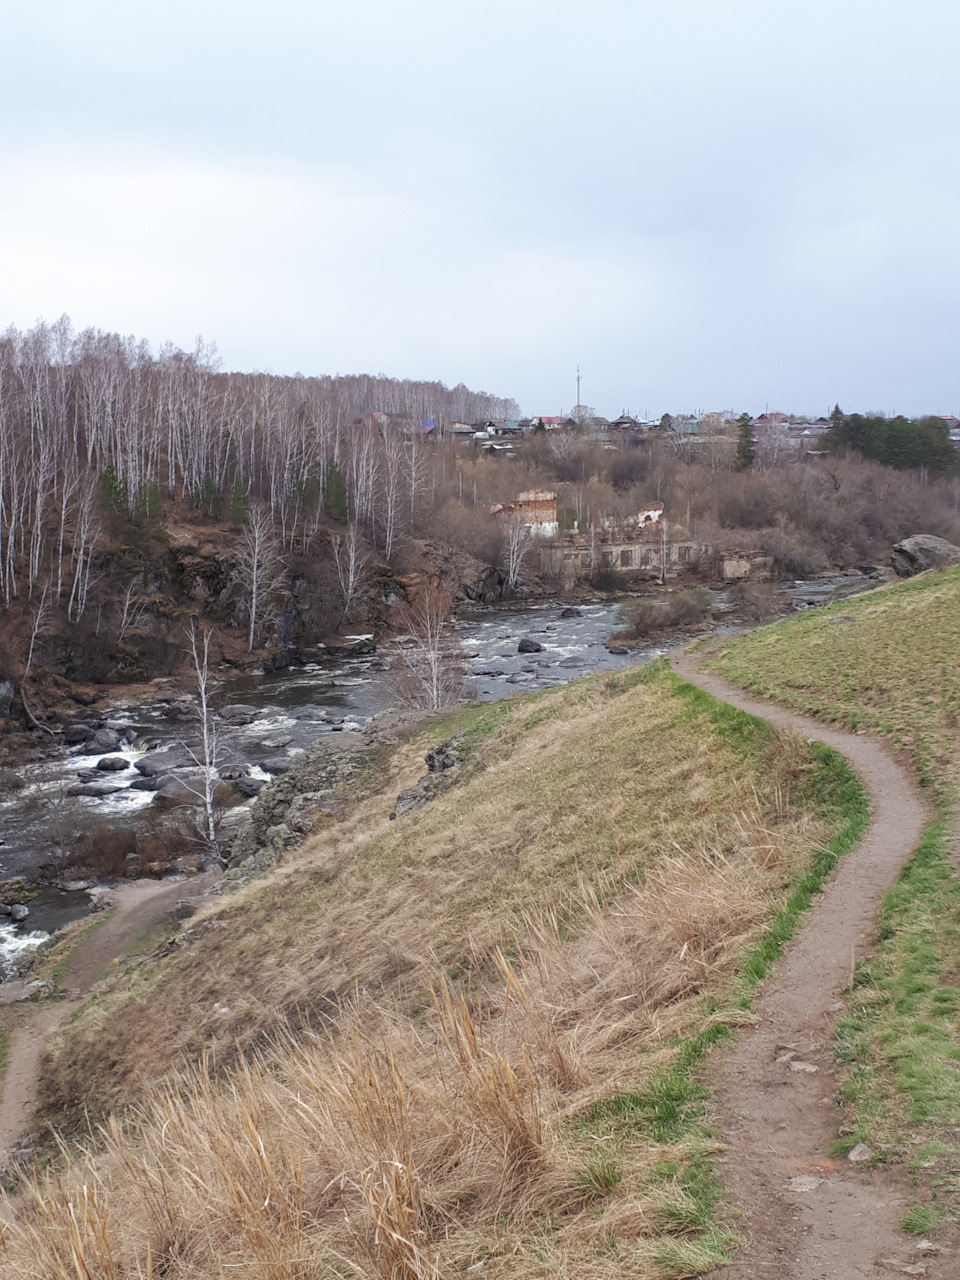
(40, 619)
(132, 607)
(260, 570)
(206, 757)
(427, 663)
(85, 537)
(664, 551)
(415, 467)
(391, 484)
(517, 542)
(350, 560)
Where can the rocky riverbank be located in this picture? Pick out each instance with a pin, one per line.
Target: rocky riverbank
(113, 793)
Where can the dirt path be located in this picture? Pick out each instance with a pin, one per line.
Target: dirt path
(805, 1215)
(138, 907)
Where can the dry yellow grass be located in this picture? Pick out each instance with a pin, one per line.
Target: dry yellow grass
(621, 845)
(588, 785)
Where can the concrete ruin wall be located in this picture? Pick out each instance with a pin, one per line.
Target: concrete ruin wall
(575, 559)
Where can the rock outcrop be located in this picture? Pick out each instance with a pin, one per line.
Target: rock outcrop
(442, 763)
(921, 552)
(311, 793)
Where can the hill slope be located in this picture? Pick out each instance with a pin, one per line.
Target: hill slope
(465, 1035)
(888, 662)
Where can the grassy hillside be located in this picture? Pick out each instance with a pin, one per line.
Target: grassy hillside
(464, 1036)
(889, 663)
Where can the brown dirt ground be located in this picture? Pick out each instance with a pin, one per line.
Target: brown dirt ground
(802, 1213)
(139, 906)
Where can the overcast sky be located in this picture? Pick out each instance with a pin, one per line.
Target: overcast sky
(706, 203)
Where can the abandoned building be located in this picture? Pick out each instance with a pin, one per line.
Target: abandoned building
(536, 508)
(642, 546)
(738, 566)
(649, 551)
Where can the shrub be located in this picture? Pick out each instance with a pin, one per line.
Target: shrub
(794, 554)
(645, 618)
(756, 600)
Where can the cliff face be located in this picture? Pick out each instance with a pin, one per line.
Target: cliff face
(146, 585)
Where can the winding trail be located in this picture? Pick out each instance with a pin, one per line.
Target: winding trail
(138, 907)
(803, 1214)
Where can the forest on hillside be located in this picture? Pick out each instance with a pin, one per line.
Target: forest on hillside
(94, 423)
(139, 489)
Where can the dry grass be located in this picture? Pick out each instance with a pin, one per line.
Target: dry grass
(594, 784)
(414, 1148)
(530, 946)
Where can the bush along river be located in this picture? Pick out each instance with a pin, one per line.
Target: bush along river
(117, 796)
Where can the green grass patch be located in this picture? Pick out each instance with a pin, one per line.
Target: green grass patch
(670, 1109)
(892, 671)
(899, 1042)
(53, 964)
(917, 1221)
(834, 791)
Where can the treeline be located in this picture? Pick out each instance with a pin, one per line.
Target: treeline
(902, 443)
(93, 424)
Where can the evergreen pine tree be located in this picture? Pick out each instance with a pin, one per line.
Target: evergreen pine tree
(746, 443)
(335, 495)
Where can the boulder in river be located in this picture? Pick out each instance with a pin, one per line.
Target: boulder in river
(19, 912)
(278, 764)
(618, 649)
(151, 782)
(95, 790)
(248, 786)
(76, 733)
(155, 762)
(104, 740)
(361, 649)
(571, 612)
(178, 791)
(239, 714)
(922, 552)
(528, 645)
(113, 764)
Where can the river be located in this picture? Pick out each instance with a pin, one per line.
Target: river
(285, 714)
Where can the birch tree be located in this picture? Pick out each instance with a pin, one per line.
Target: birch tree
(206, 757)
(517, 542)
(260, 571)
(350, 559)
(391, 485)
(426, 663)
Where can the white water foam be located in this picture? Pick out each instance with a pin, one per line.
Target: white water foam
(15, 944)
